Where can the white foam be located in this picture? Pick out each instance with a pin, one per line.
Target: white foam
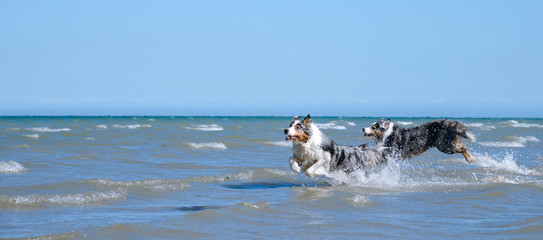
(207, 128)
(350, 123)
(101, 126)
(404, 123)
(330, 125)
(159, 185)
(506, 163)
(63, 199)
(359, 200)
(516, 142)
(34, 136)
(279, 143)
(479, 125)
(11, 167)
(210, 145)
(132, 126)
(386, 178)
(514, 123)
(46, 129)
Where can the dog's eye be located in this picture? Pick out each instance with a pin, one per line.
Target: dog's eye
(298, 128)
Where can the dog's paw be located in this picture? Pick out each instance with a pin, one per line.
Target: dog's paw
(294, 165)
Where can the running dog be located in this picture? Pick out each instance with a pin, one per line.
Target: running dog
(443, 134)
(317, 155)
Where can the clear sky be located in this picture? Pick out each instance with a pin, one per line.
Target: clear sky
(343, 58)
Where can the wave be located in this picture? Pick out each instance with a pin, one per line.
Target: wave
(36, 200)
(479, 125)
(158, 185)
(34, 136)
(404, 123)
(101, 126)
(11, 167)
(279, 143)
(352, 124)
(514, 123)
(210, 145)
(207, 128)
(506, 163)
(516, 142)
(46, 129)
(330, 125)
(132, 126)
(358, 200)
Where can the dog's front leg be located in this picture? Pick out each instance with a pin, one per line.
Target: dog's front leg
(294, 164)
(320, 167)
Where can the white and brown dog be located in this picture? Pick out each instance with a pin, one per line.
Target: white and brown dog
(317, 155)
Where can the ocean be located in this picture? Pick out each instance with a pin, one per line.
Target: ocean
(229, 178)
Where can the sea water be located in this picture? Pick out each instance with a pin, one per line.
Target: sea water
(229, 177)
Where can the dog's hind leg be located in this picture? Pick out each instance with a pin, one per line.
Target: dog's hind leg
(467, 155)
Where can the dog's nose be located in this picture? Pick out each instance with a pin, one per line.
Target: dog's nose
(286, 131)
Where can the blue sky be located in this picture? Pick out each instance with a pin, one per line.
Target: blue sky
(346, 58)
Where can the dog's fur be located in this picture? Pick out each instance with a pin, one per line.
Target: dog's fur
(316, 154)
(443, 134)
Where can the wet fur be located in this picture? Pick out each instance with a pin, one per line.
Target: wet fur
(316, 154)
(443, 134)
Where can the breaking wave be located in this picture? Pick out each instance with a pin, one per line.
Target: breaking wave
(101, 126)
(11, 167)
(516, 142)
(479, 125)
(514, 123)
(210, 145)
(279, 143)
(36, 200)
(330, 125)
(158, 185)
(404, 123)
(132, 126)
(33, 136)
(206, 128)
(46, 129)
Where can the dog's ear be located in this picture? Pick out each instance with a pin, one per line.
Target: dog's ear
(386, 123)
(308, 121)
(295, 118)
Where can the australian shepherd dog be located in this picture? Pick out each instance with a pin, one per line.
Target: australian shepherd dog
(317, 155)
(444, 134)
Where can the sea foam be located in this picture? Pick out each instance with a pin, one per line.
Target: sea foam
(404, 123)
(37, 200)
(330, 125)
(132, 126)
(11, 167)
(206, 128)
(210, 145)
(479, 125)
(516, 142)
(514, 123)
(46, 129)
(279, 143)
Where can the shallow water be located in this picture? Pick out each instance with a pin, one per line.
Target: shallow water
(229, 177)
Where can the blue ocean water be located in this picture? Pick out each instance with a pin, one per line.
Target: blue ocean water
(229, 177)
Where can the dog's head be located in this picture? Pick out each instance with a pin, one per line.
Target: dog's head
(378, 129)
(299, 130)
